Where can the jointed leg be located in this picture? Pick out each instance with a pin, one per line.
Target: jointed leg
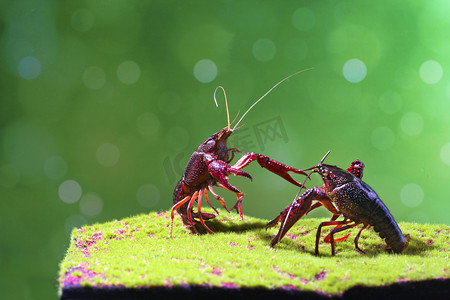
(220, 170)
(220, 199)
(177, 205)
(333, 231)
(239, 195)
(357, 238)
(207, 201)
(200, 211)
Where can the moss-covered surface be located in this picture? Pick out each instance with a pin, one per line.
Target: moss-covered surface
(137, 252)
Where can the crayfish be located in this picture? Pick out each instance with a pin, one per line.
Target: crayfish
(344, 194)
(209, 166)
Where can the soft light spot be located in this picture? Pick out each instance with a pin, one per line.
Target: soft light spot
(82, 20)
(303, 19)
(94, 78)
(430, 72)
(91, 204)
(354, 70)
(74, 221)
(147, 124)
(69, 191)
(29, 67)
(445, 154)
(108, 154)
(390, 102)
(205, 70)
(128, 72)
(382, 138)
(411, 123)
(411, 195)
(264, 50)
(55, 167)
(148, 195)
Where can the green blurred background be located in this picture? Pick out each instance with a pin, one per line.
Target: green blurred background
(103, 102)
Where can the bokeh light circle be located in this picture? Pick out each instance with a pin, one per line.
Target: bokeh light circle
(411, 195)
(69, 191)
(382, 138)
(411, 123)
(264, 50)
(147, 124)
(91, 204)
(303, 19)
(445, 154)
(354, 70)
(390, 102)
(205, 70)
(128, 72)
(431, 72)
(94, 78)
(82, 20)
(55, 167)
(29, 67)
(108, 154)
(148, 195)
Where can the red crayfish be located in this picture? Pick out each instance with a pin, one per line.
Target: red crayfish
(343, 193)
(209, 166)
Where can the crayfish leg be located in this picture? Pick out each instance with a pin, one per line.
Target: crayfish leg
(200, 217)
(220, 199)
(357, 238)
(333, 231)
(172, 213)
(207, 201)
(239, 195)
(191, 204)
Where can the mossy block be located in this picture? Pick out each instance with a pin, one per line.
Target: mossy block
(135, 258)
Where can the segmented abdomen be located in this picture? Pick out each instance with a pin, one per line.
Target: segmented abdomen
(383, 223)
(359, 202)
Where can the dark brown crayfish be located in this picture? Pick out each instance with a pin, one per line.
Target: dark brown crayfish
(209, 166)
(343, 193)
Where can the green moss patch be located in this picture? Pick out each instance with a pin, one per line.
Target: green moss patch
(137, 252)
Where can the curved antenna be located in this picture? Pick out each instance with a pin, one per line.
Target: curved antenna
(226, 104)
(284, 79)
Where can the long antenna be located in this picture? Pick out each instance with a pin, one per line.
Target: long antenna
(286, 78)
(226, 103)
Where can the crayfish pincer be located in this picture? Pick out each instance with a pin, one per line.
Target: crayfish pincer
(209, 166)
(344, 194)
